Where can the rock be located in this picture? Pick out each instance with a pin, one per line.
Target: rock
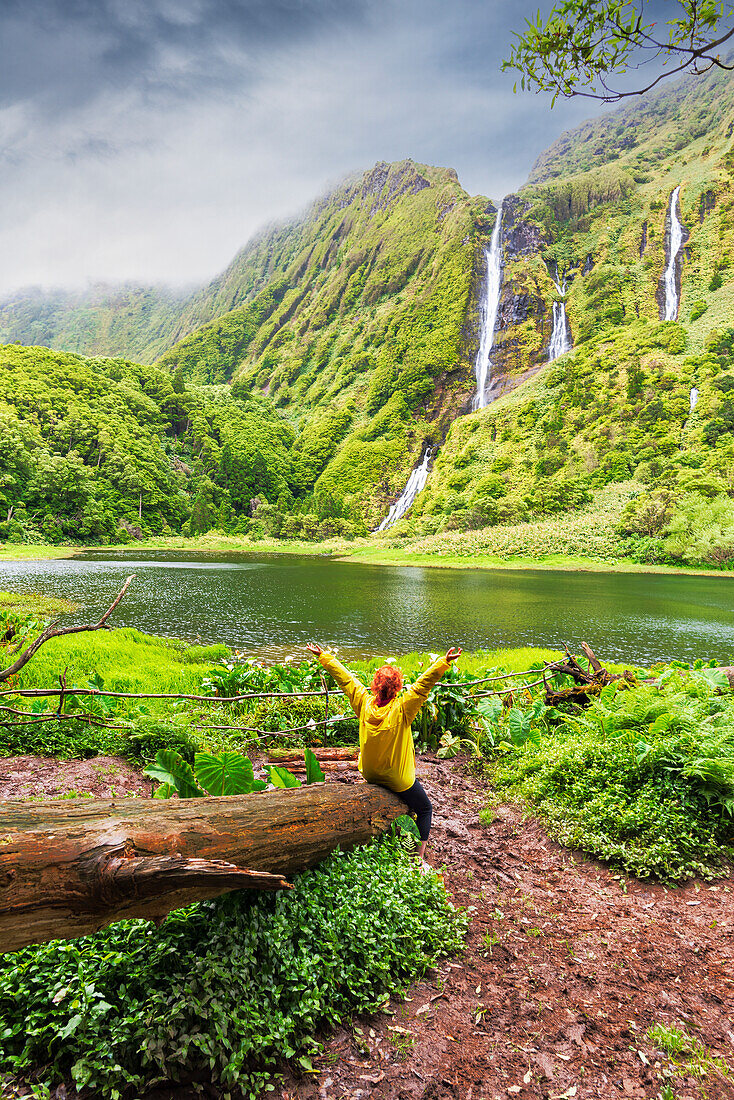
(133, 531)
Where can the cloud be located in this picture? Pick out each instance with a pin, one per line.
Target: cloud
(146, 140)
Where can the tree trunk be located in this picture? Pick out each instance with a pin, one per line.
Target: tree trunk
(68, 868)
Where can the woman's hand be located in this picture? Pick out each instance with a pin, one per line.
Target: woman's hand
(315, 648)
(453, 655)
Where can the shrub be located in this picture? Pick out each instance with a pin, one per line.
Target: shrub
(644, 778)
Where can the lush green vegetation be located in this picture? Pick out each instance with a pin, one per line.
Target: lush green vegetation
(138, 322)
(224, 989)
(106, 451)
(334, 347)
(643, 778)
(644, 477)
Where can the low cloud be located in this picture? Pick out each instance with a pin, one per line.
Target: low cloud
(146, 140)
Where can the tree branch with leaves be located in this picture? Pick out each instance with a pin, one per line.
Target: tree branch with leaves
(583, 44)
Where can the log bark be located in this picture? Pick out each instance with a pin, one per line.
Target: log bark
(68, 868)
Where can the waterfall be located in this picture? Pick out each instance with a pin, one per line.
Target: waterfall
(560, 341)
(694, 398)
(676, 241)
(416, 483)
(488, 312)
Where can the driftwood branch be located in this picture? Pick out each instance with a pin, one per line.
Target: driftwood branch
(56, 631)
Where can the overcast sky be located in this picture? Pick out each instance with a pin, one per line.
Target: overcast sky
(146, 140)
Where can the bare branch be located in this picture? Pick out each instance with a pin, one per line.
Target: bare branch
(54, 631)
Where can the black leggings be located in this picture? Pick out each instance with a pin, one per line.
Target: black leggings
(417, 800)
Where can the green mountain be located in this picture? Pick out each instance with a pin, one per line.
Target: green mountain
(640, 403)
(139, 322)
(352, 333)
(362, 336)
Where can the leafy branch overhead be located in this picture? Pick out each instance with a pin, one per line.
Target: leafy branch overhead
(582, 44)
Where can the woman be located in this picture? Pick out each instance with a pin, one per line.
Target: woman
(387, 755)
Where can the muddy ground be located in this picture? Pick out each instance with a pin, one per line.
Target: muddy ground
(565, 970)
(49, 777)
(566, 967)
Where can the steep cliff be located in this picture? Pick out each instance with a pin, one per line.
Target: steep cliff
(361, 333)
(638, 402)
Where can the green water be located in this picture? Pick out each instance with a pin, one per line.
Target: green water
(272, 604)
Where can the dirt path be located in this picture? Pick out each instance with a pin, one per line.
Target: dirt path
(565, 970)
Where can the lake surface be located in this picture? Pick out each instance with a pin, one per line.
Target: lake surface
(271, 604)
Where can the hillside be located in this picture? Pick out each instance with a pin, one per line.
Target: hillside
(363, 335)
(138, 322)
(354, 331)
(639, 402)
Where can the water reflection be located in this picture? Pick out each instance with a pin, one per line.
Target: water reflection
(272, 603)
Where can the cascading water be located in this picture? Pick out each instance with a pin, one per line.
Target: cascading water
(560, 341)
(676, 241)
(488, 312)
(416, 483)
(694, 398)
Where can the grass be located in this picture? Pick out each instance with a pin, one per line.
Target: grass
(552, 562)
(15, 551)
(688, 1054)
(126, 659)
(372, 552)
(31, 603)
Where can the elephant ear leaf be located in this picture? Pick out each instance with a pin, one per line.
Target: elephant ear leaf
(171, 768)
(281, 777)
(224, 772)
(165, 790)
(314, 773)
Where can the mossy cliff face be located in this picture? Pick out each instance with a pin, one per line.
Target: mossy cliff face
(524, 320)
(620, 407)
(362, 337)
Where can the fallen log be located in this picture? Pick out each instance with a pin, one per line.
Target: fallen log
(70, 867)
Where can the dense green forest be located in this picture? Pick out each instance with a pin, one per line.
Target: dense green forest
(298, 389)
(104, 450)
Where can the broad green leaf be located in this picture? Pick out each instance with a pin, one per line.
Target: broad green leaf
(715, 678)
(165, 790)
(224, 772)
(170, 767)
(314, 773)
(407, 825)
(281, 777)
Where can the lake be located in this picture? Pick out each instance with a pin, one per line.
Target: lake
(271, 604)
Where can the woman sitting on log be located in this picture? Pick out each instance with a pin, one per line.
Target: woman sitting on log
(387, 755)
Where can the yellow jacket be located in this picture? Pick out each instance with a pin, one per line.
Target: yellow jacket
(386, 748)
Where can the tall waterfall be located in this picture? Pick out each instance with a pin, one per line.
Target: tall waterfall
(416, 483)
(676, 241)
(693, 398)
(560, 341)
(488, 312)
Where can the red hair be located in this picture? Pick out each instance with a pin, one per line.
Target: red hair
(386, 683)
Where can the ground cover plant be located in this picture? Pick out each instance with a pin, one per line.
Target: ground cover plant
(225, 988)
